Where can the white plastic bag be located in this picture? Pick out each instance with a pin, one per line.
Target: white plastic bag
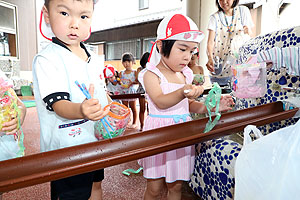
(238, 41)
(269, 168)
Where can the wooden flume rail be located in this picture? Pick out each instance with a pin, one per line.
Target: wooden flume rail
(43, 167)
(138, 95)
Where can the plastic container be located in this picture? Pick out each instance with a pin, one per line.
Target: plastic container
(249, 80)
(114, 124)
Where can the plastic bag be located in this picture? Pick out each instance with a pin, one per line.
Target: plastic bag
(268, 168)
(238, 41)
(9, 109)
(114, 124)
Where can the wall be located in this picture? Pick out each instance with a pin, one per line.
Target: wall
(27, 34)
(121, 13)
(290, 15)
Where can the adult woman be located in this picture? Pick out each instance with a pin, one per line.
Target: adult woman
(225, 26)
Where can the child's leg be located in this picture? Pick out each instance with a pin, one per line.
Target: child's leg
(125, 103)
(96, 191)
(74, 187)
(97, 187)
(132, 105)
(154, 187)
(174, 190)
(142, 102)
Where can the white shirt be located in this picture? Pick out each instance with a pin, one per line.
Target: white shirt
(55, 70)
(245, 15)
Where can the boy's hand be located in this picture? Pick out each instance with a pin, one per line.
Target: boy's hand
(192, 91)
(226, 103)
(91, 109)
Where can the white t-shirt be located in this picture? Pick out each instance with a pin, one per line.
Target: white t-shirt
(55, 70)
(245, 15)
(114, 89)
(8, 145)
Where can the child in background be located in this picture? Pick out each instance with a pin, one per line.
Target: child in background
(112, 81)
(197, 69)
(8, 131)
(9, 147)
(128, 80)
(142, 100)
(66, 117)
(170, 94)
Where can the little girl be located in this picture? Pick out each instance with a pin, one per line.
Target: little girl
(142, 100)
(128, 80)
(197, 69)
(113, 83)
(170, 94)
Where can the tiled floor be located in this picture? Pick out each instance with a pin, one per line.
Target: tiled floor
(116, 186)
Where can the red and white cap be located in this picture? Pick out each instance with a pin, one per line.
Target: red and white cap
(175, 27)
(109, 71)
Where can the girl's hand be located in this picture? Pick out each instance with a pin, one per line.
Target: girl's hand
(130, 83)
(11, 127)
(192, 91)
(226, 103)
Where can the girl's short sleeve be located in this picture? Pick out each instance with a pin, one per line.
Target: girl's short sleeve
(246, 17)
(212, 23)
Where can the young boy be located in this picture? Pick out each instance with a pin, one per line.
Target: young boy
(66, 116)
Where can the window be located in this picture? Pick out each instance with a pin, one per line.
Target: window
(147, 44)
(8, 30)
(114, 50)
(143, 4)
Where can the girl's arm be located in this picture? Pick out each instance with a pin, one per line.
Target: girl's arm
(197, 106)
(23, 110)
(109, 99)
(226, 103)
(201, 70)
(136, 78)
(164, 101)
(210, 47)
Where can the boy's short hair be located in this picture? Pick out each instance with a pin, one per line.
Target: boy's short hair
(127, 57)
(166, 47)
(47, 2)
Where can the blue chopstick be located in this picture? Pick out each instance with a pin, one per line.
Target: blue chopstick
(85, 92)
(88, 96)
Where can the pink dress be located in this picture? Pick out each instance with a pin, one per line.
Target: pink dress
(176, 164)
